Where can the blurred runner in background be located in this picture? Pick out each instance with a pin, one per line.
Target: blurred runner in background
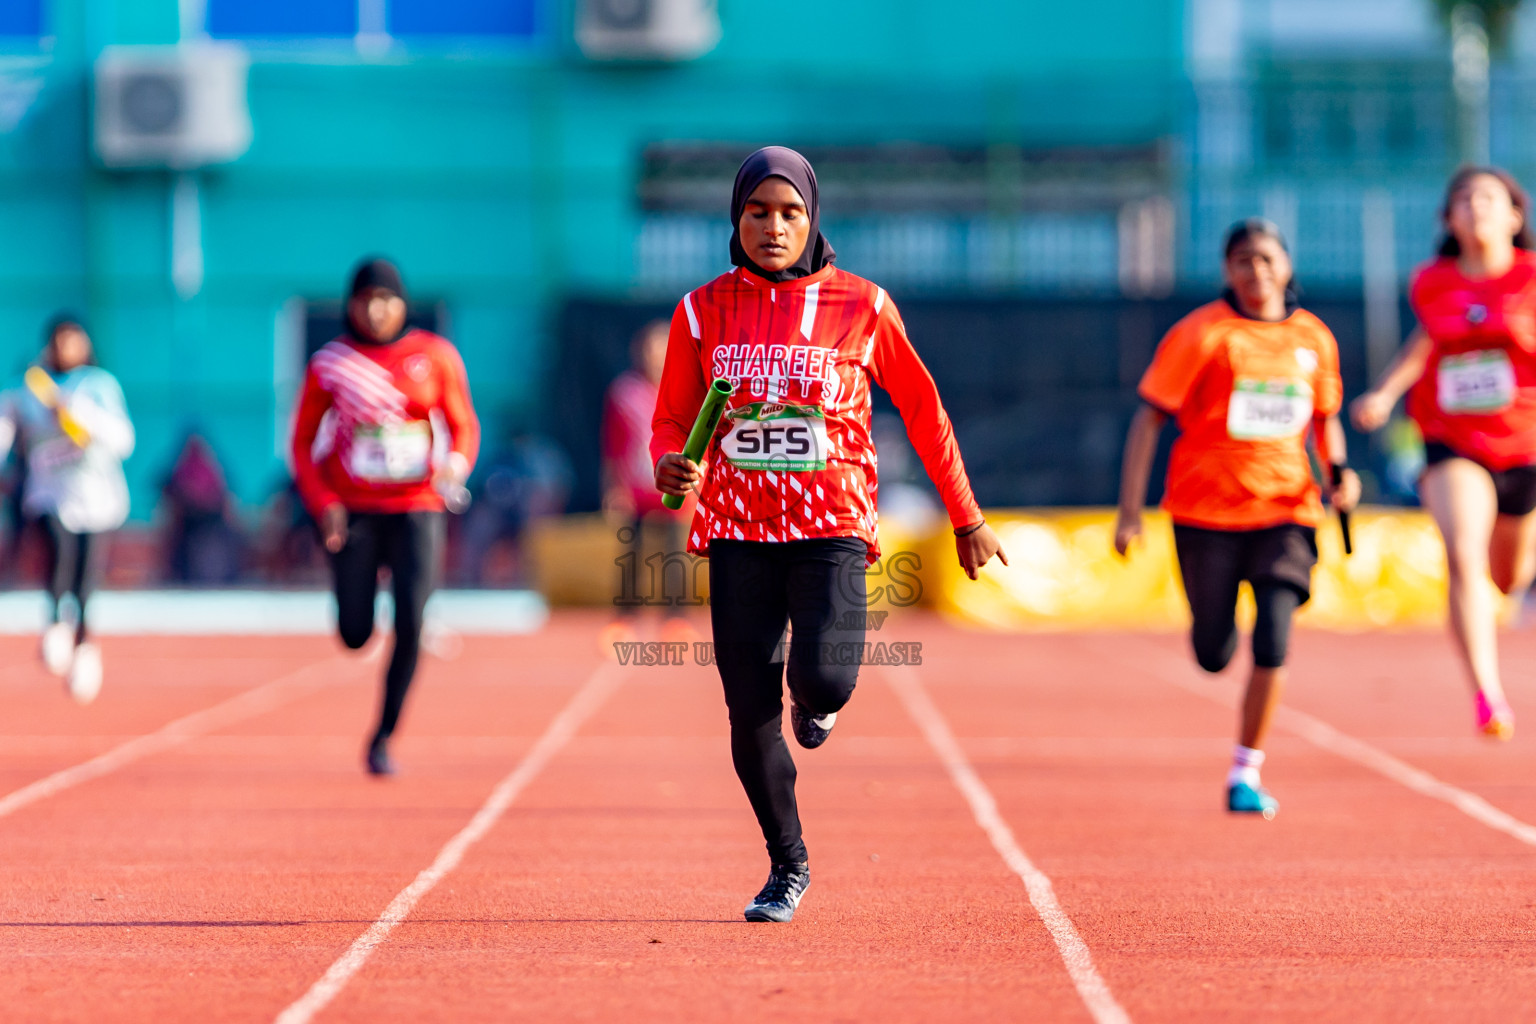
(70, 421)
(370, 476)
(1470, 374)
(630, 495)
(1247, 378)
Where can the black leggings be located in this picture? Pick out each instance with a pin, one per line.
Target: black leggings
(74, 567)
(1215, 630)
(1277, 561)
(410, 545)
(817, 588)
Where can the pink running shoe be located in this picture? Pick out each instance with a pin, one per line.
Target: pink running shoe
(1494, 718)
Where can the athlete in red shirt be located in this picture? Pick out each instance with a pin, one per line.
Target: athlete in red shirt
(1471, 368)
(384, 428)
(787, 509)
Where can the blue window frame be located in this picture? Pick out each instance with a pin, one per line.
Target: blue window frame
(21, 18)
(516, 18)
(270, 19)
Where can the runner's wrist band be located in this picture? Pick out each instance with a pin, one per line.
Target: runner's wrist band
(970, 529)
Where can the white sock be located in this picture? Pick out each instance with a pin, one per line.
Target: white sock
(1246, 763)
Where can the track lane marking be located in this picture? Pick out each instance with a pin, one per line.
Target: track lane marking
(251, 703)
(1324, 736)
(582, 705)
(1091, 987)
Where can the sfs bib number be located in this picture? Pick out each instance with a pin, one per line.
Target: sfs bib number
(790, 438)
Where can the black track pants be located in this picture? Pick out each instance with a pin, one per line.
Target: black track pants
(410, 545)
(1276, 561)
(817, 588)
(74, 566)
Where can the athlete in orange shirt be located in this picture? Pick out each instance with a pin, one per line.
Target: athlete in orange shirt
(1247, 378)
(1471, 367)
(786, 513)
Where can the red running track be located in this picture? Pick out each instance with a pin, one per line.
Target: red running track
(218, 877)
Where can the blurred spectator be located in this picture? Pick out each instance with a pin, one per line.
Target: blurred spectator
(287, 546)
(203, 542)
(1403, 455)
(630, 495)
(528, 479)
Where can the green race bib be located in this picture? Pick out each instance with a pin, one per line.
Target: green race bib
(1267, 409)
(771, 435)
(1475, 382)
(391, 452)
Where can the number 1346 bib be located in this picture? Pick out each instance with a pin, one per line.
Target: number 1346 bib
(1263, 409)
(766, 435)
(1476, 382)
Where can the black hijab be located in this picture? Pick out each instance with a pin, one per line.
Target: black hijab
(57, 323)
(779, 162)
(372, 273)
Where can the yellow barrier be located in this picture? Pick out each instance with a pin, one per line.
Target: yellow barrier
(1065, 574)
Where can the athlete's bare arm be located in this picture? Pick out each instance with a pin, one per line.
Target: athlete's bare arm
(975, 546)
(1135, 469)
(1346, 495)
(1372, 410)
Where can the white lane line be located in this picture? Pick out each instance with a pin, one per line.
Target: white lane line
(1320, 734)
(1095, 994)
(239, 708)
(582, 705)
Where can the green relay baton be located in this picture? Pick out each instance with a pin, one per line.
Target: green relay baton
(703, 429)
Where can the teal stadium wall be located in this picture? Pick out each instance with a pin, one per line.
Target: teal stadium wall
(501, 174)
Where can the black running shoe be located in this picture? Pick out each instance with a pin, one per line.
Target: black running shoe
(781, 895)
(810, 732)
(379, 762)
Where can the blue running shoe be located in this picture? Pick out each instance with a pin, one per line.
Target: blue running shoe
(1245, 799)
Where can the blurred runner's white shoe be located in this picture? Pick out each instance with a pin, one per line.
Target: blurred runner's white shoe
(85, 674)
(58, 647)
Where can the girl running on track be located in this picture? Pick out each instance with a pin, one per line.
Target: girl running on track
(786, 509)
(399, 433)
(1470, 374)
(1246, 377)
(70, 421)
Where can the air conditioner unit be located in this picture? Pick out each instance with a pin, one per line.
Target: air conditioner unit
(647, 29)
(171, 106)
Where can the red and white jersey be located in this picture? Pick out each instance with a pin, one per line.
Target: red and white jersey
(374, 419)
(793, 458)
(1478, 392)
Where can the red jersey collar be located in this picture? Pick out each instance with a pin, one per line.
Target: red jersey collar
(793, 285)
(1523, 260)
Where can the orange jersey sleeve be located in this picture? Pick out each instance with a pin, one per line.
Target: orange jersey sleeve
(1329, 392)
(1181, 356)
(896, 367)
